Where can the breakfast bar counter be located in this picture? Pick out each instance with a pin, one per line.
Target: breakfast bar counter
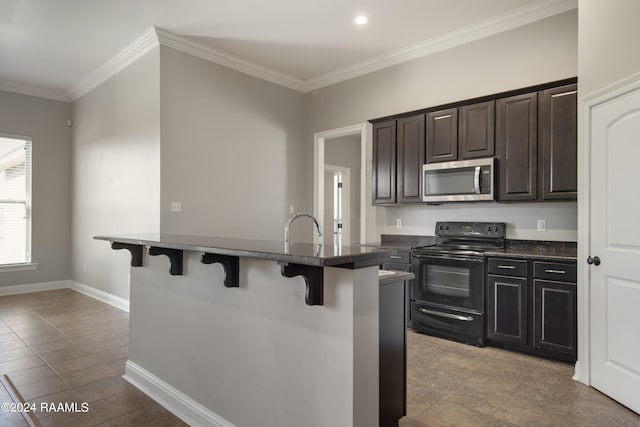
(220, 333)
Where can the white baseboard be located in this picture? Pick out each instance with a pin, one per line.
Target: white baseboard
(105, 297)
(33, 287)
(176, 402)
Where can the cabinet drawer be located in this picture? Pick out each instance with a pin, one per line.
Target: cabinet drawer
(508, 267)
(558, 272)
(401, 257)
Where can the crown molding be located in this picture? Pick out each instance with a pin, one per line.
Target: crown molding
(9, 86)
(154, 37)
(498, 24)
(199, 50)
(130, 54)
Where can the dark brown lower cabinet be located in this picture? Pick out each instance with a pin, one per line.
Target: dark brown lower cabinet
(554, 317)
(393, 356)
(531, 307)
(507, 305)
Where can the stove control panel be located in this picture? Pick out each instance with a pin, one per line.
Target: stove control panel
(471, 229)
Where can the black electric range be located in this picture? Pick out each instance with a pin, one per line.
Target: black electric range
(447, 295)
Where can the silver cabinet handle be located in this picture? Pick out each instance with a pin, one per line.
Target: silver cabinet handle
(395, 257)
(507, 267)
(447, 315)
(555, 271)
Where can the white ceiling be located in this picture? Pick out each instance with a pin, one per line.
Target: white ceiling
(49, 48)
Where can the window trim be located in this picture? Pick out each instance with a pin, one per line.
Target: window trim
(23, 266)
(28, 264)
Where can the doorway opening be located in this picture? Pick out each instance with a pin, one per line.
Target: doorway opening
(341, 151)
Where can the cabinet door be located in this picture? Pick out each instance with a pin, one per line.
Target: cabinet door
(516, 147)
(476, 131)
(555, 317)
(558, 143)
(410, 159)
(507, 309)
(392, 353)
(442, 135)
(384, 163)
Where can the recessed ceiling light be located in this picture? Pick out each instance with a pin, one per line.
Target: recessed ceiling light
(361, 20)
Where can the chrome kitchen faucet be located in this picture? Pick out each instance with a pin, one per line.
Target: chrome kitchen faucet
(293, 218)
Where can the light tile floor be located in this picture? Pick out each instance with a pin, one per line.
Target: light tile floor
(62, 346)
(453, 384)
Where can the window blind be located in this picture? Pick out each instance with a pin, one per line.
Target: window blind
(15, 200)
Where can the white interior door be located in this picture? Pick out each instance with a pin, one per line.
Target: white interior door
(615, 240)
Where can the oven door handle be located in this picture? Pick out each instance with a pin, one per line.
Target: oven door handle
(453, 258)
(447, 315)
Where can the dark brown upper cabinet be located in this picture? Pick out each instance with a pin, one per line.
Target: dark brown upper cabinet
(476, 130)
(442, 135)
(411, 147)
(558, 143)
(517, 147)
(384, 163)
(532, 132)
(461, 133)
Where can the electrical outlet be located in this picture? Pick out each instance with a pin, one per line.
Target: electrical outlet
(399, 222)
(292, 209)
(176, 207)
(542, 225)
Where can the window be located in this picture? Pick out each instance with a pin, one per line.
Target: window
(15, 200)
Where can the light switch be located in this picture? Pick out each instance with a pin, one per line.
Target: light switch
(176, 206)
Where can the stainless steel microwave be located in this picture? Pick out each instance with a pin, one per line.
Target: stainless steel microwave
(463, 181)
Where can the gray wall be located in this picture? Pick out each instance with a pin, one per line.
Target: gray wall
(233, 151)
(608, 42)
(116, 172)
(537, 53)
(45, 121)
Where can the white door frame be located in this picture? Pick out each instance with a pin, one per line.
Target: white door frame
(318, 171)
(588, 103)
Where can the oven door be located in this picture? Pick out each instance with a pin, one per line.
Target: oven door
(449, 280)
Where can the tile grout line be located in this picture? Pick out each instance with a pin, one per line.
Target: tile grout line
(60, 377)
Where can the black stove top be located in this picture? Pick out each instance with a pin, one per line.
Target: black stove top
(466, 238)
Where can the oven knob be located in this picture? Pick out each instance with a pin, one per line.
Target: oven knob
(489, 229)
(497, 230)
(447, 227)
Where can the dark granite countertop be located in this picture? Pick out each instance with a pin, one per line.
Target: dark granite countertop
(297, 253)
(400, 241)
(397, 276)
(561, 251)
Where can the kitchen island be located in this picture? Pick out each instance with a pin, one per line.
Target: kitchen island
(242, 332)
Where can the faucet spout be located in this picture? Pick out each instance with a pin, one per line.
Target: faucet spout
(293, 218)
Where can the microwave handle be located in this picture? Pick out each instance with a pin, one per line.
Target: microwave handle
(476, 180)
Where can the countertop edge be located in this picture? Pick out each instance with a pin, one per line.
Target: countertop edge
(398, 276)
(533, 255)
(350, 261)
